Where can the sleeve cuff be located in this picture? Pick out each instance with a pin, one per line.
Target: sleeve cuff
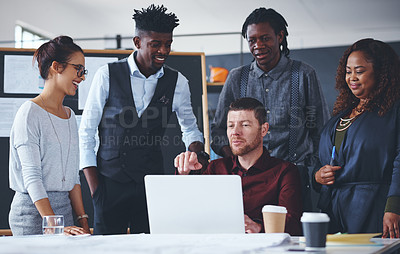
(188, 139)
(393, 205)
(37, 191)
(87, 160)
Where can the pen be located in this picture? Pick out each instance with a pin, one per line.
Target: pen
(333, 157)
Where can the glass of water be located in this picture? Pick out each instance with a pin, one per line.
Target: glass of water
(53, 225)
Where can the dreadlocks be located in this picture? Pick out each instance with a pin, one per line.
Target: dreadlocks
(276, 21)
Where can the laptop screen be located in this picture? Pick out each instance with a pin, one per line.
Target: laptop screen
(179, 204)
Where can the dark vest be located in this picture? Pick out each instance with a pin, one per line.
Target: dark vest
(130, 146)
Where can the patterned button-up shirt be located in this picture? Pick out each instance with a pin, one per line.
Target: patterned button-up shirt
(273, 90)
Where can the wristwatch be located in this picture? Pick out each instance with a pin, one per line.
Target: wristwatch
(203, 155)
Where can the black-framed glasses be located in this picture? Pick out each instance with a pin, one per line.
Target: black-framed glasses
(80, 69)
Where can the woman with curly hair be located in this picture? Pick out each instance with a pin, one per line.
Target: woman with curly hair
(360, 145)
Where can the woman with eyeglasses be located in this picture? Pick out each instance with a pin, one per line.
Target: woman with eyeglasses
(44, 156)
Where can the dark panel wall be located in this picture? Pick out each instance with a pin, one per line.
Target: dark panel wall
(324, 61)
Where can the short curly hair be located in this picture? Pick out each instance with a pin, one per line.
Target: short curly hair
(155, 19)
(276, 21)
(386, 67)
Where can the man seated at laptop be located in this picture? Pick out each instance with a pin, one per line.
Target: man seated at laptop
(265, 180)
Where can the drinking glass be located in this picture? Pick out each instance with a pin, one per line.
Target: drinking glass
(53, 225)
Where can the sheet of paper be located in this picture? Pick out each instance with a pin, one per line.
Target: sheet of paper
(21, 76)
(145, 243)
(8, 109)
(91, 64)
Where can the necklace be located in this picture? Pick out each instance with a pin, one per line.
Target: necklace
(63, 166)
(345, 123)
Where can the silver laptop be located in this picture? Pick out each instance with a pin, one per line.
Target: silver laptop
(194, 204)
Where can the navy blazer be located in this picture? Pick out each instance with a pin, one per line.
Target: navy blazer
(370, 161)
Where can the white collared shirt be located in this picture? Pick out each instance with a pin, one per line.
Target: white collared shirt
(142, 91)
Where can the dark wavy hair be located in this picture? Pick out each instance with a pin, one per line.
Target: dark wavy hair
(250, 104)
(154, 18)
(276, 20)
(58, 49)
(386, 67)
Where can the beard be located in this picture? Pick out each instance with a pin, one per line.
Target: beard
(249, 147)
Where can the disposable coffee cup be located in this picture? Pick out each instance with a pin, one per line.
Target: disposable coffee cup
(274, 218)
(315, 228)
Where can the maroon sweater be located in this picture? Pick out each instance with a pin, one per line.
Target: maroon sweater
(270, 181)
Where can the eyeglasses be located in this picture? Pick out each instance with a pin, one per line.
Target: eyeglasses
(80, 69)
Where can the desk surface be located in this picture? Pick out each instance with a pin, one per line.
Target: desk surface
(187, 244)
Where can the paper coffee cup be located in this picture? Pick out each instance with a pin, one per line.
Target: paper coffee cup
(274, 218)
(315, 228)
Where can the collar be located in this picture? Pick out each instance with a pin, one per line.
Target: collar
(260, 164)
(134, 70)
(276, 72)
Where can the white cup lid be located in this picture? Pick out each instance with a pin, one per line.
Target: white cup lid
(314, 217)
(274, 209)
